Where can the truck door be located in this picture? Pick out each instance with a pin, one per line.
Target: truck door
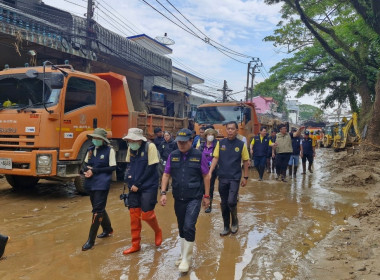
(79, 113)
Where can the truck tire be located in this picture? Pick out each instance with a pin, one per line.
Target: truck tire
(21, 182)
(79, 185)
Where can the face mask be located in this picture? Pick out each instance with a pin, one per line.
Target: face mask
(97, 142)
(134, 146)
(210, 138)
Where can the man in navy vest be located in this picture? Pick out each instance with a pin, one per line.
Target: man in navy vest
(142, 179)
(228, 153)
(294, 158)
(260, 145)
(189, 170)
(100, 162)
(307, 152)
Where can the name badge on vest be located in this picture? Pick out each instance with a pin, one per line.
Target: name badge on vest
(223, 148)
(101, 156)
(194, 159)
(175, 159)
(142, 154)
(237, 149)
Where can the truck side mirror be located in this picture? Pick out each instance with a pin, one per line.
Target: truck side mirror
(56, 80)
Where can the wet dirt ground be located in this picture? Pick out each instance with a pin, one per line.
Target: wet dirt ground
(279, 224)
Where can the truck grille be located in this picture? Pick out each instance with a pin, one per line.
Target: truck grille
(16, 142)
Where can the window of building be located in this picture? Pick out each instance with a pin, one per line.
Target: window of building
(79, 93)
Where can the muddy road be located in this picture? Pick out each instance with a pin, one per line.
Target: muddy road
(279, 223)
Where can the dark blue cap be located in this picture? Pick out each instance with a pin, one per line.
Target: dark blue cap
(183, 135)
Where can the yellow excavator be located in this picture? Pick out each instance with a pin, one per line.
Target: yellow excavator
(328, 135)
(347, 134)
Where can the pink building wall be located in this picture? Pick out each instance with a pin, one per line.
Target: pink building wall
(262, 104)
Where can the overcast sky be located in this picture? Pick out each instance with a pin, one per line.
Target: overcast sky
(239, 25)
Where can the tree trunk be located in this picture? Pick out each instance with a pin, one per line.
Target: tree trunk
(364, 92)
(374, 124)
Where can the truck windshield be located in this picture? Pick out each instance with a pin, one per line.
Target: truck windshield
(18, 91)
(218, 114)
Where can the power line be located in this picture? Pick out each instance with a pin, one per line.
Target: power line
(191, 32)
(236, 53)
(120, 21)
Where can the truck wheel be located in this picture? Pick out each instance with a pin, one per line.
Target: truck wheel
(79, 185)
(21, 182)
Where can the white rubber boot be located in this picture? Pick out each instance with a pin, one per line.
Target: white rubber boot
(177, 262)
(186, 257)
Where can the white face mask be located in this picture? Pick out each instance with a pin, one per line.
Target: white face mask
(210, 138)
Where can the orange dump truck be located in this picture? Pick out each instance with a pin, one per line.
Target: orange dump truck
(47, 112)
(218, 114)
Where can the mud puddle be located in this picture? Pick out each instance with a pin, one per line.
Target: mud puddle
(279, 223)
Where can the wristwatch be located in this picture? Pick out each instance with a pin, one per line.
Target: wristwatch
(163, 193)
(245, 178)
(206, 196)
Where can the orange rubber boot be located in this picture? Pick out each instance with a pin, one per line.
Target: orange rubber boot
(151, 219)
(135, 214)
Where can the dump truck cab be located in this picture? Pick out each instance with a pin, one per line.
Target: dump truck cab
(45, 116)
(218, 114)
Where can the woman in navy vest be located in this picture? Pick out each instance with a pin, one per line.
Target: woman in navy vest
(142, 179)
(207, 148)
(100, 162)
(167, 146)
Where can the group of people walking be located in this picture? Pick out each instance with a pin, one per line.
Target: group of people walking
(193, 172)
(193, 166)
(281, 151)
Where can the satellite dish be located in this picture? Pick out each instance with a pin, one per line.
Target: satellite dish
(165, 40)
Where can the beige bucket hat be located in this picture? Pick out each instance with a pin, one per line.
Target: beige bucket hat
(135, 134)
(211, 131)
(99, 133)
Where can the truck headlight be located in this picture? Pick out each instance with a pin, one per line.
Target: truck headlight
(44, 164)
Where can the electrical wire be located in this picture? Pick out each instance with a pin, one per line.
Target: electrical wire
(122, 20)
(191, 33)
(236, 53)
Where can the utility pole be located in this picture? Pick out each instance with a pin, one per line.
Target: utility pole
(90, 29)
(225, 90)
(253, 65)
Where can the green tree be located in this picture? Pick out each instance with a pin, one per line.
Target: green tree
(310, 112)
(345, 38)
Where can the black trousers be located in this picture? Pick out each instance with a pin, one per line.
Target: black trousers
(282, 161)
(145, 200)
(98, 201)
(308, 157)
(187, 212)
(228, 191)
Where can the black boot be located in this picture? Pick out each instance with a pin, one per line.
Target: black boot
(96, 220)
(3, 242)
(106, 225)
(290, 171)
(261, 172)
(208, 210)
(283, 176)
(295, 171)
(310, 170)
(235, 221)
(304, 168)
(226, 219)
